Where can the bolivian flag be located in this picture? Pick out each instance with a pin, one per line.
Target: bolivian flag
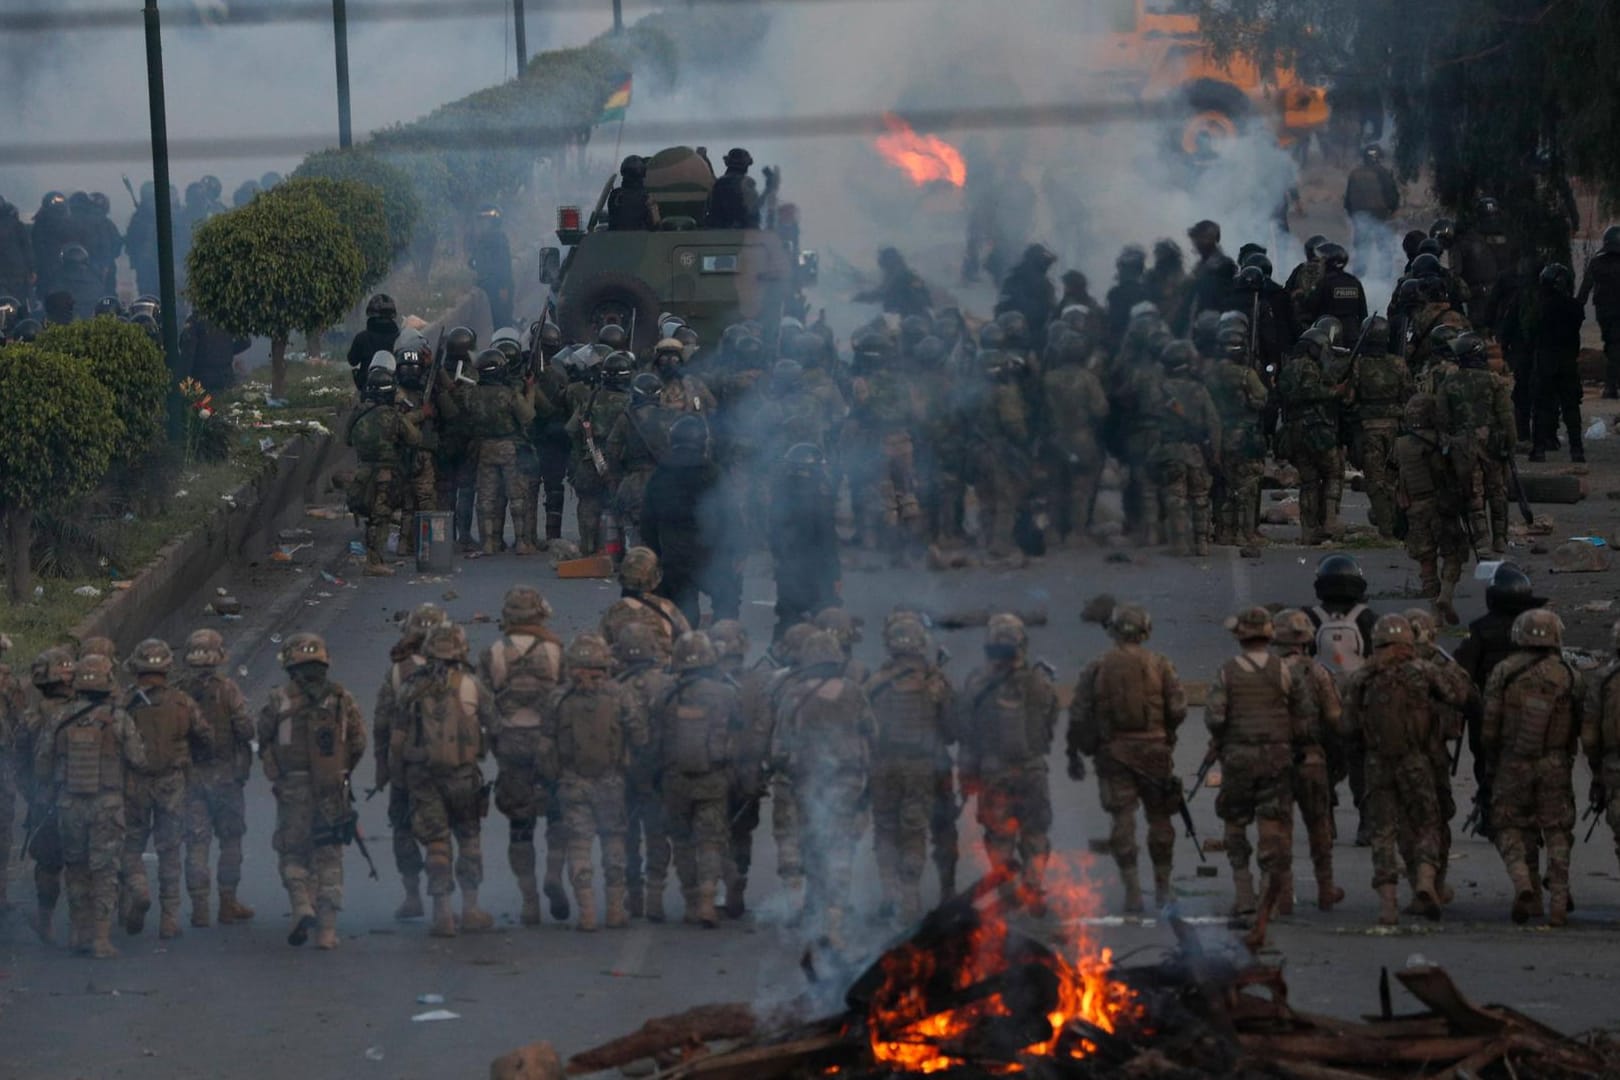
(617, 104)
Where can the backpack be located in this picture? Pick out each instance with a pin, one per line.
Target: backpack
(1339, 644)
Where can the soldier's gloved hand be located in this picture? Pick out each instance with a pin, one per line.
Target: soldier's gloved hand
(1077, 767)
(1599, 795)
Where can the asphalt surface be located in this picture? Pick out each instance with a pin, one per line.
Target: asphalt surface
(238, 1002)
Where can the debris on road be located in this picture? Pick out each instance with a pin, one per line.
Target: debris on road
(1580, 555)
(433, 1015)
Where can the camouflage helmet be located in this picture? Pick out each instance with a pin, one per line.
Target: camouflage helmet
(524, 606)
(304, 649)
(1252, 624)
(1006, 629)
(1424, 628)
(99, 646)
(838, 620)
(729, 638)
(1538, 628)
(588, 651)
(421, 621)
(1420, 412)
(640, 570)
(205, 648)
(1130, 622)
(53, 667)
(93, 672)
(635, 642)
(693, 650)
(1392, 630)
(446, 641)
(821, 648)
(792, 643)
(151, 657)
(1292, 627)
(905, 635)
(669, 346)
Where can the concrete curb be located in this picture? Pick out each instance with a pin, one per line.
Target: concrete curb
(257, 511)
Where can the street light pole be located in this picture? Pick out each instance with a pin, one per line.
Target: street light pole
(160, 188)
(521, 32)
(340, 41)
(618, 16)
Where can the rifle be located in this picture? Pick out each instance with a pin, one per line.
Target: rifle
(1203, 774)
(1518, 490)
(129, 187)
(353, 831)
(1456, 755)
(1167, 785)
(1594, 812)
(1476, 815)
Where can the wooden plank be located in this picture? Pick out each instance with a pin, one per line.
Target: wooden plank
(595, 566)
(665, 1033)
(1432, 986)
(1353, 1051)
(769, 1062)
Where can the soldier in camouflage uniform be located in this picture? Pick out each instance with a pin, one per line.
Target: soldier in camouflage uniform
(1534, 703)
(1006, 715)
(428, 408)
(404, 659)
(439, 737)
(1189, 447)
(1313, 786)
(1309, 439)
(173, 730)
(1389, 701)
(1454, 723)
(594, 409)
(1380, 386)
(83, 759)
(884, 412)
(593, 728)
(379, 433)
(639, 576)
(1474, 413)
(696, 719)
(683, 392)
(1257, 711)
(1240, 399)
(1000, 431)
(784, 800)
(1127, 707)
(1600, 737)
(311, 737)
(215, 804)
(823, 736)
(522, 669)
(501, 415)
(645, 677)
(52, 676)
(913, 707)
(750, 747)
(1076, 409)
(13, 703)
(1426, 493)
(638, 442)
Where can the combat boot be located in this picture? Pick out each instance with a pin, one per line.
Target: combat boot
(326, 935)
(1327, 893)
(1285, 893)
(444, 920)
(655, 900)
(635, 902)
(490, 530)
(554, 523)
(617, 917)
(474, 918)
(1243, 901)
(557, 900)
(135, 913)
(531, 902)
(1133, 892)
(302, 925)
(1559, 906)
(232, 910)
(689, 906)
(81, 932)
(585, 898)
(1388, 912)
(1426, 899)
(706, 913)
(199, 910)
(102, 947)
(411, 906)
(169, 922)
(525, 548)
(1526, 898)
(1162, 893)
(736, 906)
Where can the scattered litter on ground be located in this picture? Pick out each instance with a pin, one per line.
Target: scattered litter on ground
(357, 548)
(433, 1015)
(325, 513)
(374, 1053)
(430, 999)
(86, 590)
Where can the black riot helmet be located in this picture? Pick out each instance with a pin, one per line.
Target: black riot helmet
(992, 337)
(1206, 328)
(616, 371)
(27, 330)
(1233, 320)
(1409, 294)
(645, 388)
(1427, 264)
(1339, 577)
(75, 254)
(1441, 337)
(929, 352)
(1444, 230)
(508, 346)
(1558, 276)
(1410, 242)
(1374, 334)
(490, 367)
(1334, 257)
(1487, 207)
(382, 306)
(1260, 260)
(380, 384)
(1372, 154)
(550, 339)
(1250, 279)
(410, 367)
(1332, 327)
(613, 336)
(913, 328)
(738, 158)
(109, 305)
(1234, 345)
(1611, 240)
(1469, 350)
(1313, 246)
(1510, 591)
(460, 342)
(1131, 262)
(634, 168)
(689, 437)
(1179, 356)
(1430, 246)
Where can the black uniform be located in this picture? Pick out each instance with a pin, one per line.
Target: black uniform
(1602, 285)
(1555, 334)
(207, 353)
(1029, 291)
(804, 548)
(630, 207)
(1482, 256)
(690, 520)
(104, 242)
(1124, 296)
(53, 231)
(378, 336)
(1489, 642)
(16, 254)
(733, 202)
(1339, 294)
(83, 282)
(1212, 290)
(491, 258)
(140, 240)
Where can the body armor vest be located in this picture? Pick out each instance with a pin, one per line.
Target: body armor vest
(1257, 701)
(523, 670)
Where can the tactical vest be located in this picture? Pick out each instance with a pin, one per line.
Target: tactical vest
(492, 412)
(1008, 735)
(1339, 645)
(1538, 707)
(1468, 393)
(523, 670)
(694, 735)
(1129, 693)
(906, 701)
(1380, 387)
(1392, 704)
(1257, 702)
(370, 436)
(1183, 422)
(91, 760)
(590, 733)
(1413, 456)
(442, 721)
(1608, 704)
(310, 738)
(1364, 191)
(824, 722)
(165, 724)
(209, 691)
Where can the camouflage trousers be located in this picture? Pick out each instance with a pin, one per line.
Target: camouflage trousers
(1313, 794)
(1321, 487)
(742, 817)
(1257, 788)
(1440, 766)
(1140, 774)
(785, 830)
(647, 834)
(382, 503)
(1015, 812)
(888, 506)
(1183, 488)
(594, 809)
(903, 797)
(695, 815)
(407, 852)
(627, 500)
(1376, 439)
(91, 831)
(590, 499)
(830, 828)
(1237, 512)
(524, 797)
(501, 488)
(1403, 811)
(312, 874)
(449, 803)
(1533, 804)
(1072, 496)
(1436, 541)
(214, 808)
(46, 850)
(1493, 477)
(155, 810)
(420, 495)
(1002, 485)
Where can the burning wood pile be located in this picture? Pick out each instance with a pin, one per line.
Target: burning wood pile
(967, 995)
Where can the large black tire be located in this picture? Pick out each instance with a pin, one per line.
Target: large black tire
(580, 309)
(1219, 108)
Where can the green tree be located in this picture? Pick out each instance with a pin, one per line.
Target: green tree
(359, 208)
(124, 360)
(401, 206)
(59, 430)
(274, 267)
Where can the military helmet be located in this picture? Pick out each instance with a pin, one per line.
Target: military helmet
(382, 358)
(1340, 577)
(929, 351)
(99, 646)
(1487, 206)
(1558, 276)
(460, 341)
(1444, 230)
(792, 641)
(1332, 327)
(490, 364)
(992, 336)
(913, 328)
(633, 167)
(409, 365)
(1468, 349)
(738, 158)
(1015, 326)
(1316, 342)
(1006, 629)
(803, 457)
(1252, 624)
(380, 384)
(613, 336)
(1292, 627)
(1205, 231)
(1424, 628)
(1441, 337)
(304, 648)
(1430, 246)
(507, 343)
(1232, 320)
(446, 641)
(1509, 588)
(1179, 356)
(669, 346)
(840, 622)
(905, 635)
(550, 336)
(1130, 622)
(523, 605)
(53, 667)
(1313, 245)
(1392, 630)
(1372, 154)
(1427, 264)
(381, 306)
(1334, 256)
(821, 648)
(1261, 262)
(1538, 628)
(1409, 293)
(1374, 334)
(76, 254)
(205, 648)
(1206, 328)
(93, 673)
(151, 657)
(1611, 239)
(635, 642)
(645, 388)
(1419, 412)
(640, 570)
(729, 638)
(787, 375)
(616, 370)
(588, 651)
(109, 305)
(689, 434)
(423, 619)
(693, 650)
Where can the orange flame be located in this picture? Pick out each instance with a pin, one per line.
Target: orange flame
(924, 158)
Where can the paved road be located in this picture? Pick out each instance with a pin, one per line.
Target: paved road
(238, 1002)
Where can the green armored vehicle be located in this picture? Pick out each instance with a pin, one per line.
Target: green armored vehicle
(709, 277)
